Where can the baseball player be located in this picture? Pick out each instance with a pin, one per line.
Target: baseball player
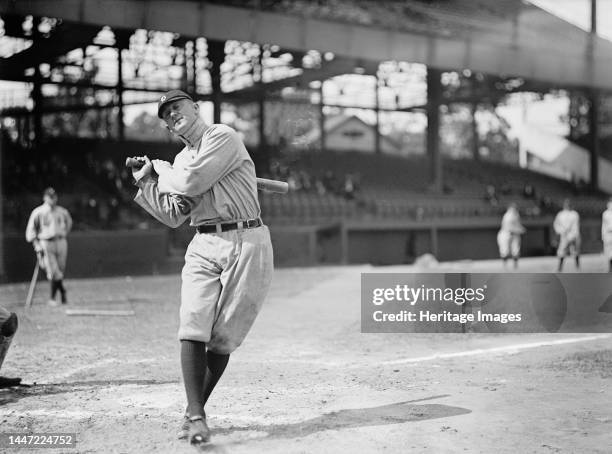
(228, 264)
(606, 233)
(8, 327)
(567, 226)
(509, 235)
(47, 228)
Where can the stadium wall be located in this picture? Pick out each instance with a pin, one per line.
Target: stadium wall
(145, 252)
(94, 254)
(395, 243)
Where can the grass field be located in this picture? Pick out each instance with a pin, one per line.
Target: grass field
(306, 380)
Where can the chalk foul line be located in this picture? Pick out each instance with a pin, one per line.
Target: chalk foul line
(486, 351)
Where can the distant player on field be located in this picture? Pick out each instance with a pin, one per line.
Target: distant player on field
(567, 226)
(509, 235)
(48, 226)
(606, 233)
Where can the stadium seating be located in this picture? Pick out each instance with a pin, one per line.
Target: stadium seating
(385, 187)
(391, 187)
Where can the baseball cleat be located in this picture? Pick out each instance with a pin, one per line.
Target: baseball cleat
(183, 432)
(52, 303)
(199, 433)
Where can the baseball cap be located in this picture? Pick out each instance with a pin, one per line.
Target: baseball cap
(50, 192)
(169, 97)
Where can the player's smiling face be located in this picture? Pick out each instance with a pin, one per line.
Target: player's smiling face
(180, 114)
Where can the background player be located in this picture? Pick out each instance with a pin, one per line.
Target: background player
(567, 226)
(228, 264)
(47, 228)
(606, 233)
(509, 235)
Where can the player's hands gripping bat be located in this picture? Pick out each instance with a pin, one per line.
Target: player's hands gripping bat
(263, 184)
(141, 167)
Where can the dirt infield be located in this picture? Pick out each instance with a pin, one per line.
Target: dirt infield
(306, 380)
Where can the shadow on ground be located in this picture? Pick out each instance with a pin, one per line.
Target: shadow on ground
(396, 413)
(11, 395)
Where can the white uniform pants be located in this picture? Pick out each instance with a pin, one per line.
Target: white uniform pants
(225, 280)
(54, 259)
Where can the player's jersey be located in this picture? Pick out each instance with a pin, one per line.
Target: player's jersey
(48, 223)
(215, 183)
(511, 223)
(606, 225)
(567, 224)
(606, 232)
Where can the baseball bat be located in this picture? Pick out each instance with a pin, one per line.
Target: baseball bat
(263, 184)
(280, 187)
(28, 302)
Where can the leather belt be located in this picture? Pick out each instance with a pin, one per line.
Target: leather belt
(225, 227)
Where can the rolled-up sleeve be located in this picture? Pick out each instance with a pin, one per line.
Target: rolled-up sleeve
(33, 227)
(169, 209)
(218, 156)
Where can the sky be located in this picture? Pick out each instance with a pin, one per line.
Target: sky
(578, 12)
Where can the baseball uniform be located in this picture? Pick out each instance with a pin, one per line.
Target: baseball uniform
(227, 273)
(606, 233)
(509, 235)
(49, 226)
(567, 225)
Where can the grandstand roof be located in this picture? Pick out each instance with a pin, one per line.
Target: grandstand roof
(505, 37)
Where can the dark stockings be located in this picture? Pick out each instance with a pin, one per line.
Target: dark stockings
(201, 373)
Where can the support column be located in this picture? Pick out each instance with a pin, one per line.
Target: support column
(323, 135)
(475, 138)
(261, 105)
(37, 98)
(194, 71)
(434, 240)
(594, 108)
(185, 78)
(216, 55)
(594, 138)
(377, 111)
(36, 95)
(120, 115)
(434, 95)
(523, 154)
